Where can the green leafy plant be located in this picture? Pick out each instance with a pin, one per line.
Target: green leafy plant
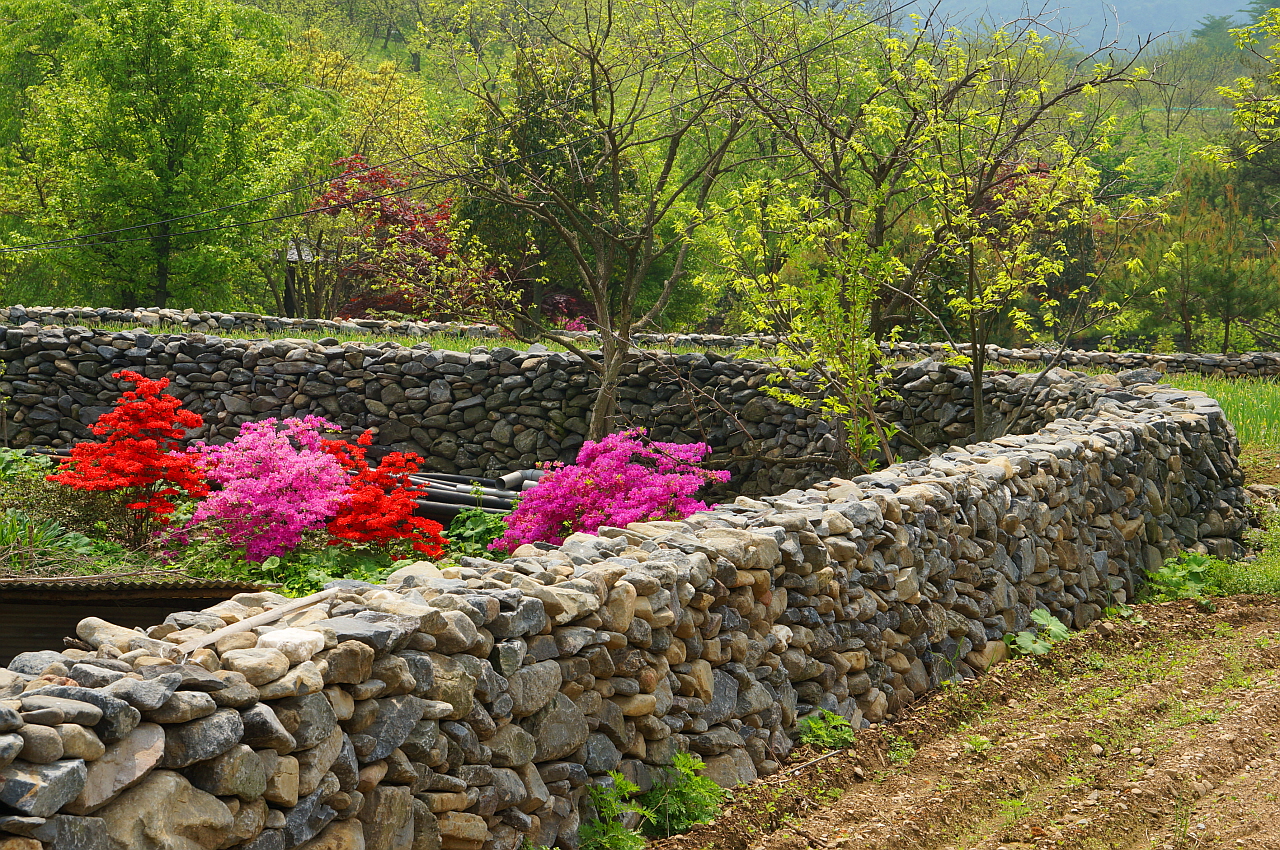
(901, 751)
(304, 571)
(1188, 576)
(1050, 631)
(826, 730)
(29, 544)
(607, 831)
(14, 462)
(977, 744)
(473, 529)
(682, 800)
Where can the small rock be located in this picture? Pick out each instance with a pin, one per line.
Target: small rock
(259, 665)
(145, 695)
(188, 743)
(166, 812)
(40, 744)
(236, 773)
(298, 645)
(304, 679)
(41, 790)
(182, 707)
(79, 742)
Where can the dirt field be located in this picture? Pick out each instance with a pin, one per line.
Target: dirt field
(1155, 732)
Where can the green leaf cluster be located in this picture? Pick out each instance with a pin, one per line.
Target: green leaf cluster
(826, 730)
(682, 799)
(472, 530)
(1050, 631)
(606, 830)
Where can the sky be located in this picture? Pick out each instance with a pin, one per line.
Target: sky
(1093, 18)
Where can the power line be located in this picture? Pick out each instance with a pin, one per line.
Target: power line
(435, 148)
(68, 241)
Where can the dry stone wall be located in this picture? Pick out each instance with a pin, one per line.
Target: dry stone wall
(1248, 364)
(469, 708)
(486, 412)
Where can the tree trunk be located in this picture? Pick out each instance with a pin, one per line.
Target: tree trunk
(164, 252)
(1226, 335)
(613, 356)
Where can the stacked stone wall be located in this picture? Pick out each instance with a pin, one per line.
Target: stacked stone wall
(1246, 364)
(469, 708)
(487, 412)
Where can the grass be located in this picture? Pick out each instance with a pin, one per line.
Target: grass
(442, 341)
(1252, 404)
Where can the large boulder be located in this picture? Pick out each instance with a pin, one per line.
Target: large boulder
(165, 812)
(125, 764)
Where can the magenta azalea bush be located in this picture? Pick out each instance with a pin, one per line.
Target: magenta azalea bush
(619, 480)
(276, 481)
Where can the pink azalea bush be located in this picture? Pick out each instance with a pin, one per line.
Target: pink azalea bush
(619, 480)
(277, 482)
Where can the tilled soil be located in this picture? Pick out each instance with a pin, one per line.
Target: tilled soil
(1159, 731)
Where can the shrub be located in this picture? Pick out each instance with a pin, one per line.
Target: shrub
(826, 730)
(379, 505)
(25, 488)
(683, 800)
(139, 457)
(618, 480)
(277, 483)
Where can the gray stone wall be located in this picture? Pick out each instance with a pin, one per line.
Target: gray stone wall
(486, 412)
(1248, 364)
(469, 708)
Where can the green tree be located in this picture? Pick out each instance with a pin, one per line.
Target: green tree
(616, 161)
(935, 161)
(151, 111)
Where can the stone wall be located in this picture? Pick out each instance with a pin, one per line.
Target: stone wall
(488, 411)
(469, 708)
(1248, 364)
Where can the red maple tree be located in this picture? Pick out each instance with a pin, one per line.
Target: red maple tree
(401, 263)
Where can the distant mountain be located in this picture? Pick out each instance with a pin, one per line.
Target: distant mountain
(1125, 19)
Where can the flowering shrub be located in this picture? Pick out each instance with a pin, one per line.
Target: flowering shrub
(619, 480)
(380, 502)
(138, 457)
(278, 482)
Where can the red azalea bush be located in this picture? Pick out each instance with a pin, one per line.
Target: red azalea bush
(380, 501)
(139, 457)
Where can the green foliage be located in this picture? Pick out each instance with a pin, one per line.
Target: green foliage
(826, 730)
(682, 800)
(1187, 576)
(303, 571)
(1261, 574)
(977, 744)
(149, 110)
(23, 488)
(606, 831)
(29, 545)
(1040, 641)
(15, 463)
(901, 751)
(472, 530)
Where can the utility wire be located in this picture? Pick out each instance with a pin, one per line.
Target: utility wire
(433, 149)
(730, 81)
